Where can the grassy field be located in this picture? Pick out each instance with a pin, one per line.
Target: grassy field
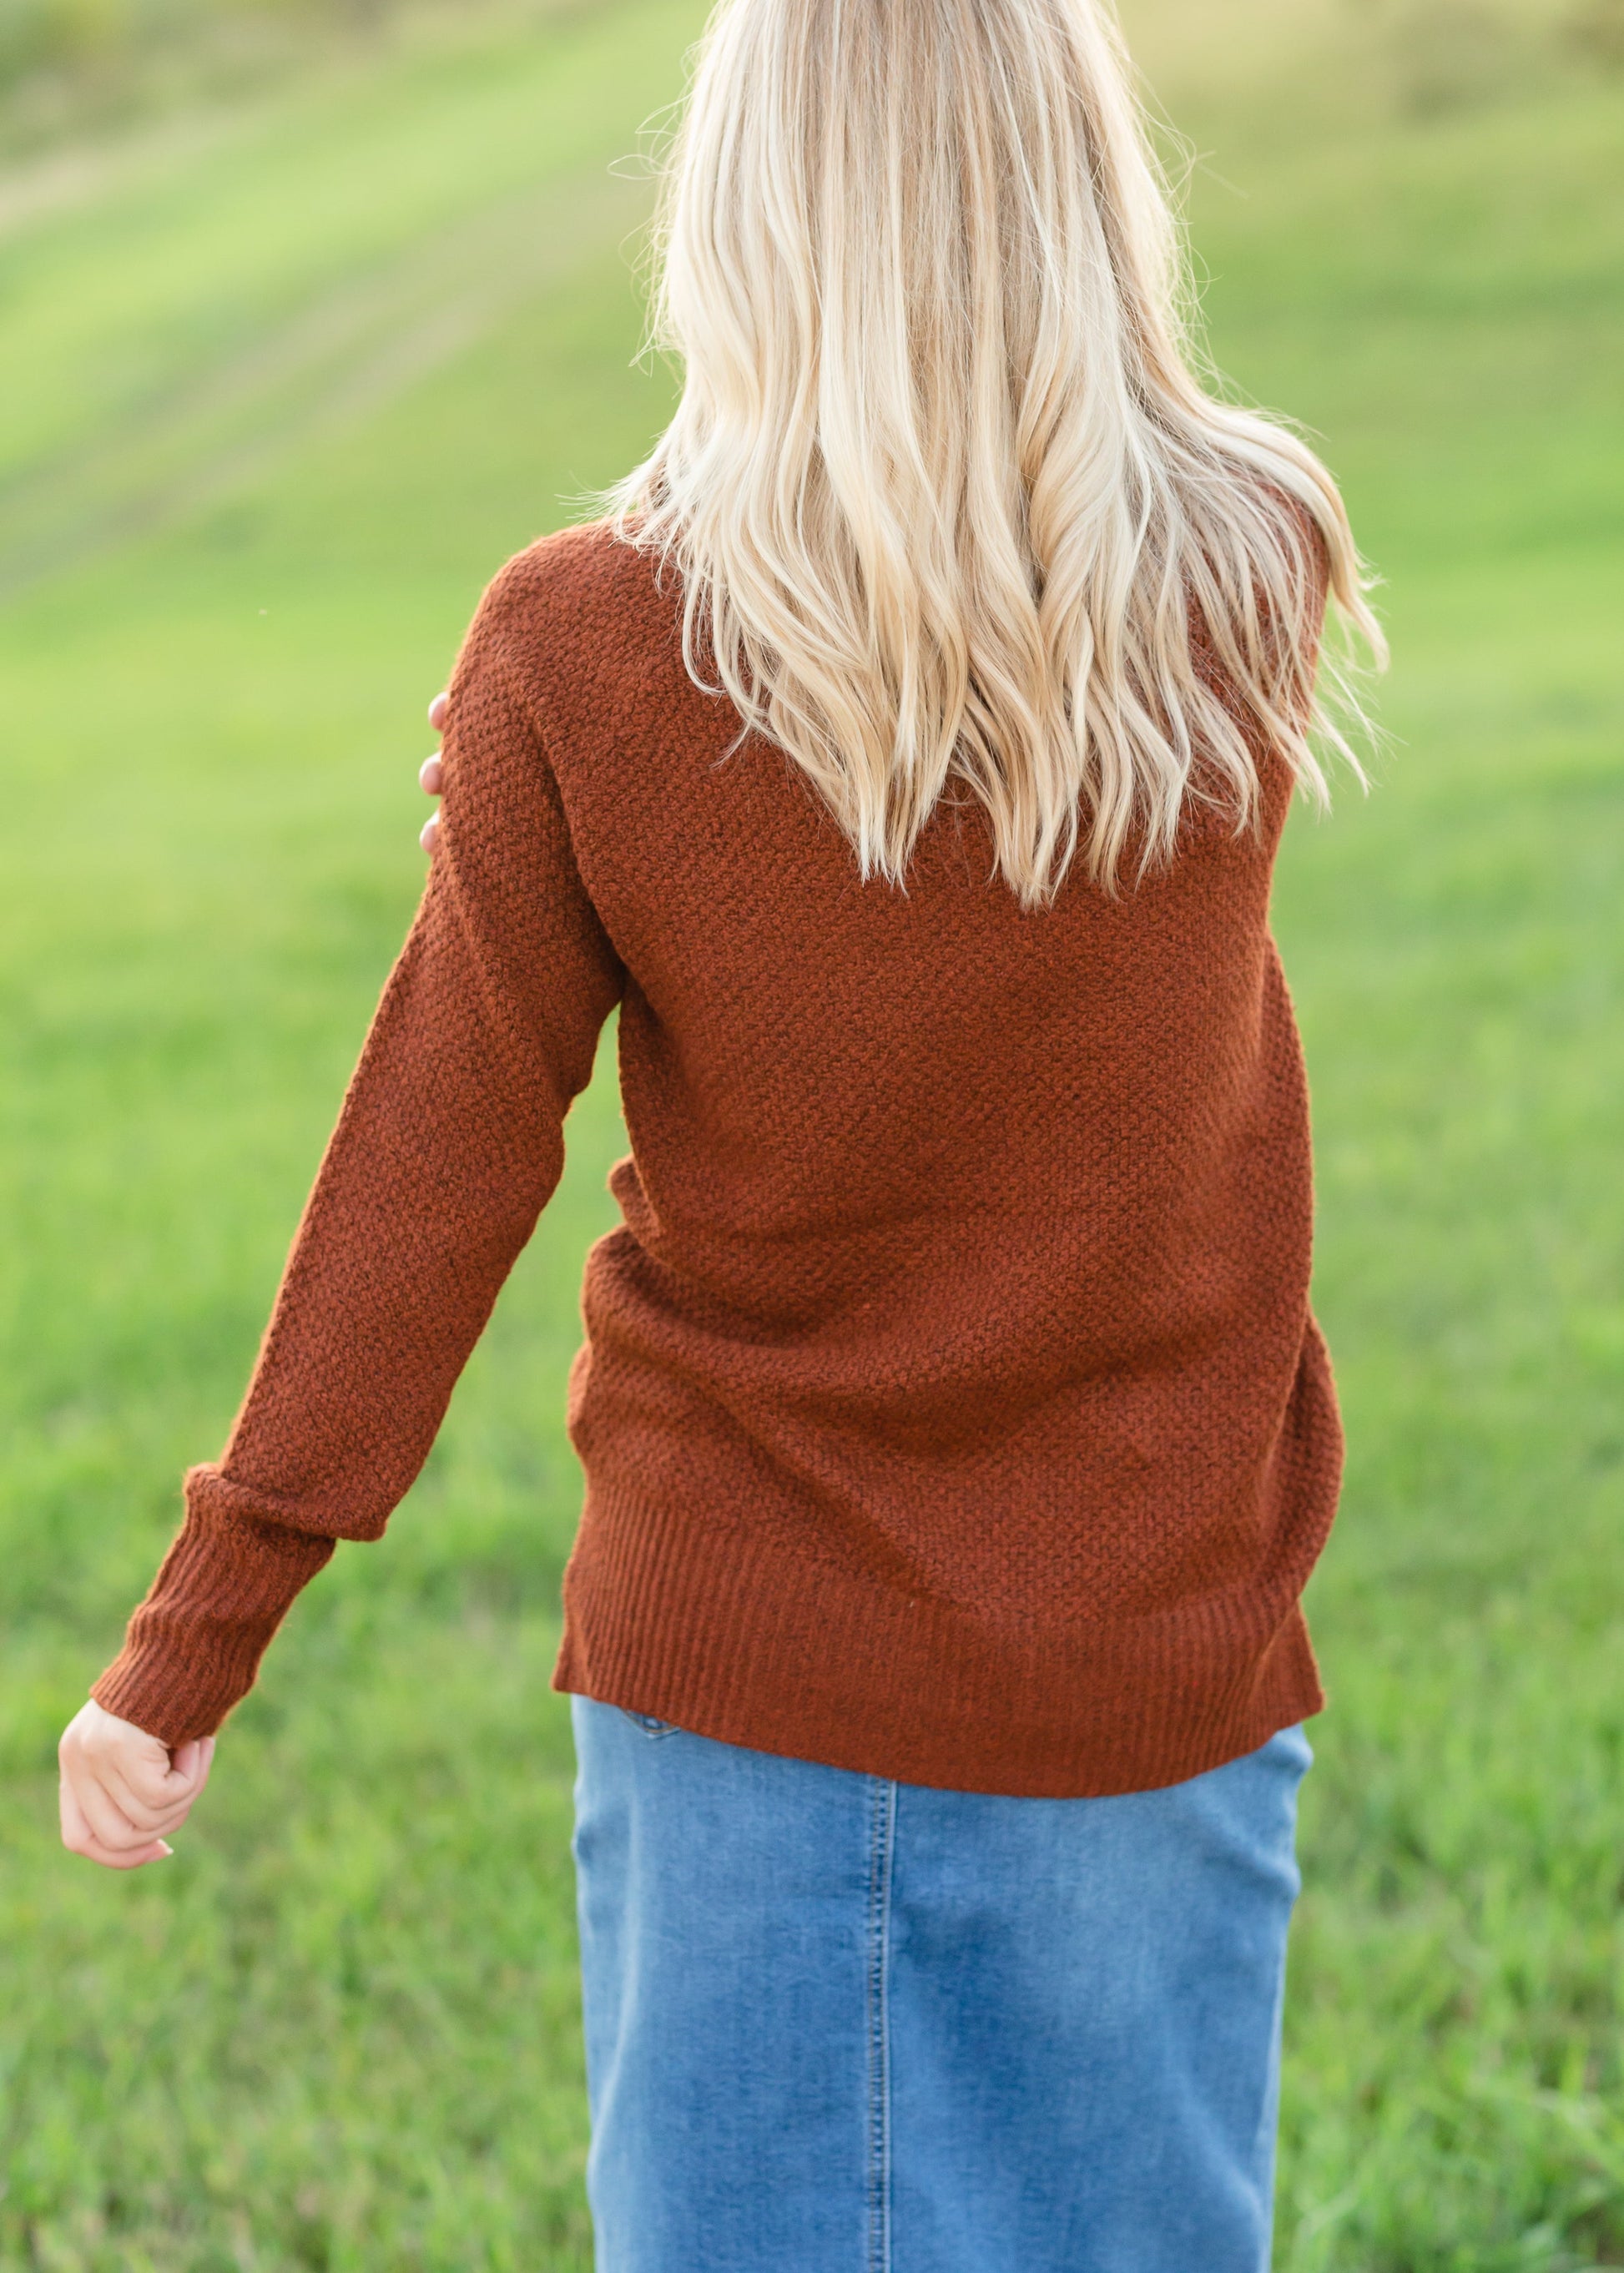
(104, 67)
(283, 386)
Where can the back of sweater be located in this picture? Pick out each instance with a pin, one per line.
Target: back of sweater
(950, 1407)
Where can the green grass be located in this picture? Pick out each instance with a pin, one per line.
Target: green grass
(1445, 305)
(282, 391)
(74, 68)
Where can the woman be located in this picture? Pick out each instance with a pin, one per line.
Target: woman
(904, 752)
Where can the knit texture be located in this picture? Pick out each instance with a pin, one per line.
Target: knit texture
(950, 1407)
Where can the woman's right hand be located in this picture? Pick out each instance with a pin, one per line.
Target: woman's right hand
(122, 1789)
(430, 776)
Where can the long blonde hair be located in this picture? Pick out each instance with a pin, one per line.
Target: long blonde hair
(951, 510)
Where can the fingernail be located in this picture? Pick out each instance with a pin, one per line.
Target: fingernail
(164, 1850)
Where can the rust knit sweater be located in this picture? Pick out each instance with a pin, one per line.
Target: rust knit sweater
(950, 1406)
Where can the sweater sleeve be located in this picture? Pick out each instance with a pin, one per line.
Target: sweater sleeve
(449, 1142)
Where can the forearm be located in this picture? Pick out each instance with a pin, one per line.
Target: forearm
(449, 1145)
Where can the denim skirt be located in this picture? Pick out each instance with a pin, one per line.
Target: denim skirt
(837, 2024)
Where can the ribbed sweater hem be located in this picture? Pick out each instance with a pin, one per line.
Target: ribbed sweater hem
(729, 1635)
(193, 1646)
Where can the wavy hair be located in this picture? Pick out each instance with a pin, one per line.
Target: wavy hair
(953, 511)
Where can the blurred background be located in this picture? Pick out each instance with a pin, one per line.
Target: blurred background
(310, 314)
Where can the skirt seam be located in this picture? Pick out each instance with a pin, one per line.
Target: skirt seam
(882, 1845)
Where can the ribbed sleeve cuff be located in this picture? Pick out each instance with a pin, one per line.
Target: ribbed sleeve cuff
(193, 1646)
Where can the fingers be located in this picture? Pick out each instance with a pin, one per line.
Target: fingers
(147, 1779)
(150, 1805)
(123, 1790)
(191, 1762)
(111, 1806)
(92, 1828)
(108, 1823)
(432, 775)
(80, 1839)
(147, 1787)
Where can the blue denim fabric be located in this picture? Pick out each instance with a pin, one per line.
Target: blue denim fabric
(836, 2024)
